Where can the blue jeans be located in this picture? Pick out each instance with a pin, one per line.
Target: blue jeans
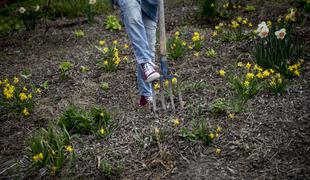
(140, 19)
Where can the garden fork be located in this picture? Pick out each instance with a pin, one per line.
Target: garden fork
(166, 75)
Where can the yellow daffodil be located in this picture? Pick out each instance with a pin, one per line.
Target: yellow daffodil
(38, 157)
(250, 25)
(166, 83)
(214, 33)
(239, 19)
(256, 67)
(231, 116)
(102, 114)
(218, 129)
(269, 23)
(16, 80)
(177, 33)
(105, 50)
(240, 64)
(183, 43)
(221, 72)
(259, 75)
(29, 96)
(156, 86)
(102, 131)
(115, 42)
(26, 112)
(126, 46)
(38, 91)
(25, 89)
(196, 54)
(101, 42)
(218, 151)
(249, 76)
(248, 65)
(174, 81)
(217, 135)
(22, 96)
(176, 122)
(105, 62)
(266, 73)
(297, 73)
(211, 135)
(125, 58)
(69, 149)
(190, 47)
(246, 84)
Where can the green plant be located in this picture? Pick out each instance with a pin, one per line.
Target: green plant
(158, 135)
(111, 167)
(198, 129)
(90, 11)
(176, 46)
(30, 16)
(236, 30)
(84, 69)
(247, 80)
(96, 121)
(276, 49)
(250, 8)
(112, 23)
(79, 33)
(109, 57)
(208, 7)
(64, 68)
(17, 97)
(51, 148)
(76, 121)
(218, 106)
(211, 53)
(197, 41)
(105, 86)
(277, 84)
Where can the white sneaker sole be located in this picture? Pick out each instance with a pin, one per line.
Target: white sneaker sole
(153, 77)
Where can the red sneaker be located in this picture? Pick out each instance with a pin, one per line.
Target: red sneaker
(145, 100)
(150, 74)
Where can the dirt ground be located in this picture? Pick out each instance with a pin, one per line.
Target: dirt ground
(271, 140)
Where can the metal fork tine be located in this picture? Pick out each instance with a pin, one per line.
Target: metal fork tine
(162, 98)
(180, 94)
(154, 100)
(171, 94)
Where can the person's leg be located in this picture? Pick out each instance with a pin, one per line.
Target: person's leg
(132, 17)
(145, 88)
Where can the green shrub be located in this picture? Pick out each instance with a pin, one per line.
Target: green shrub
(96, 121)
(218, 106)
(30, 16)
(112, 24)
(198, 129)
(176, 47)
(64, 68)
(109, 56)
(208, 7)
(51, 148)
(17, 97)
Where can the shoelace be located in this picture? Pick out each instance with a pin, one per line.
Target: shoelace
(148, 69)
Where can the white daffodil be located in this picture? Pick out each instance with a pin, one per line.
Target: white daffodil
(37, 8)
(92, 2)
(281, 33)
(22, 10)
(263, 30)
